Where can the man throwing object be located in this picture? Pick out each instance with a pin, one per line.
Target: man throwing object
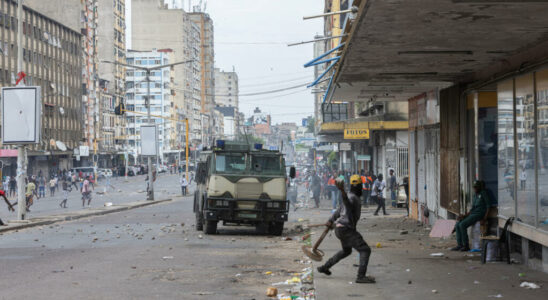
(345, 219)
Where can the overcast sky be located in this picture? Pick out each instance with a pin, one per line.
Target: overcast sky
(252, 37)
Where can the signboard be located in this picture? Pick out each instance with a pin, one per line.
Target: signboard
(149, 140)
(84, 151)
(356, 134)
(21, 115)
(364, 157)
(345, 147)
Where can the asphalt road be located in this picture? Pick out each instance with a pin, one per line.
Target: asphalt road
(146, 253)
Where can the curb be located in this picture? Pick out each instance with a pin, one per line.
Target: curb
(48, 220)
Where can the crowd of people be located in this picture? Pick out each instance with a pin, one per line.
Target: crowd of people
(35, 187)
(321, 185)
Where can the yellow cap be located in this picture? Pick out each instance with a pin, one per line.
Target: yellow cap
(355, 179)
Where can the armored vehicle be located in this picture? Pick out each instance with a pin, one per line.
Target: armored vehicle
(242, 185)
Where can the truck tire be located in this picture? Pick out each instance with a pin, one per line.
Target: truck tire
(276, 228)
(199, 220)
(210, 227)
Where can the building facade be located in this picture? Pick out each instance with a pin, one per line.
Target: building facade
(111, 46)
(161, 102)
(475, 114)
(155, 26)
(226, 95)
(207, 73)
(52, 59)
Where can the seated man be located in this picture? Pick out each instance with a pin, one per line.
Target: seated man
(478, 212)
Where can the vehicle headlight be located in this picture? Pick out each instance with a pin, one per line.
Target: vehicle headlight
(273, 205)
(221, 203)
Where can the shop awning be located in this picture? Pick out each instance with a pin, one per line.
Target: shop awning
(395, 50)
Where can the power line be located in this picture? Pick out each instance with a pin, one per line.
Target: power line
(276, 82)
(273, 97)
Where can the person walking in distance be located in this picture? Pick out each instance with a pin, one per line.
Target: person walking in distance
(86, 192)
(41, 187)
(378, 187)
(315, 186)
(52, 187)
(73, 181)
(523, 179)
(393, 187)
(65, 187)
(13, 186)
(10, 206)
(345, 220)
(29, 194)
(184, 185)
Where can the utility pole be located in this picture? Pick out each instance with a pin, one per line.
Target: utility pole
(186, 150)
(21, 150)
(150, 179)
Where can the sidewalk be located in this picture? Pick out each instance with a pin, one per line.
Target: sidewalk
(166, 186)
(404, 269)
(126, 195)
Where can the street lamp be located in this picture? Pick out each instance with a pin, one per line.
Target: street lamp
(148, 70)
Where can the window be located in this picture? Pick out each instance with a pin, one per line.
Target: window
(230, 163)
(267, 165)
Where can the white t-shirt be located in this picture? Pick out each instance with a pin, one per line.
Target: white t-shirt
(184, 182)
(378, 186)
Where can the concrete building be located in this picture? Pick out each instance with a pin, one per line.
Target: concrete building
(475, 110)
(52, 59)
(229, 120)
(207, 74)
(161, 101)
(111, 47)
(155, 26)
(226, 94)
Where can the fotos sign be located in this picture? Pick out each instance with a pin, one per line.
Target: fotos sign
(356, 134)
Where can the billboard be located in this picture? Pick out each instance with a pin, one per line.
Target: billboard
(21, 115)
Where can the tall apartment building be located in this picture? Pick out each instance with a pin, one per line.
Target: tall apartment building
(207, 73)
(52, 59)
(161, 102)
(112, 47)
(155, 26)
(98, 93)
(226, 94)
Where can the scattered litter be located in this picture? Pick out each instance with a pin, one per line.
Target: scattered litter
(495, 296)
(271, 292)
(300, 220)
(286, 238)
(306, 236)
(529, 285)
(404, 232)
(409, 282)
(107, 204)
(203, 293)
(435, 291)
(438, 254)
(238, 275)
(200, 236)
(521, 274)
(350, 282)
(378, 245)
(476, 282)
(407, 270)
(167, 257)
(268, 273)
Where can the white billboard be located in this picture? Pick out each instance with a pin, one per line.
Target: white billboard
(21, 115)
(149, 140)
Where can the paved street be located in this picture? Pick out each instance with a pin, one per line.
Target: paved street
(155, 253)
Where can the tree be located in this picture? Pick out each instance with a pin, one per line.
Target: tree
(310, 124)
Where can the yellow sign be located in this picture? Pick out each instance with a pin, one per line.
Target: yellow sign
(356, 134)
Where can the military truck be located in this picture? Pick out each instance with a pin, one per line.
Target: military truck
(242, 185)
